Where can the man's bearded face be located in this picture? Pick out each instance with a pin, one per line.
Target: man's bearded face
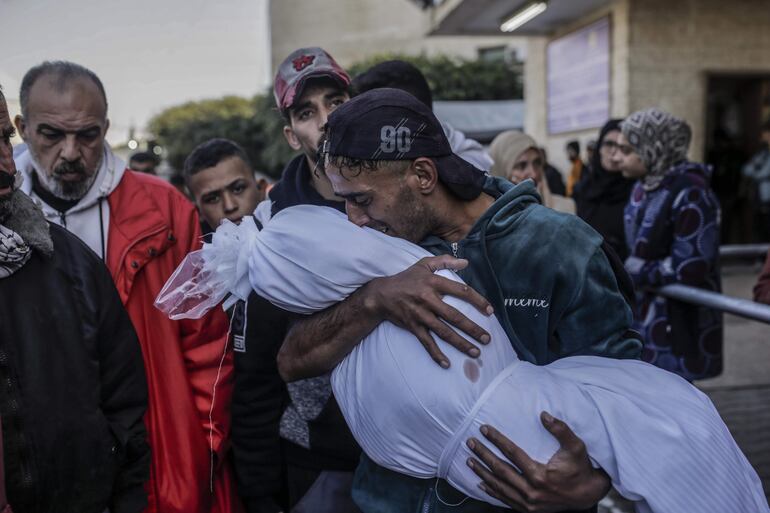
(386, 199)
(6, 183)
(68, 180)
(64, 127)
(7, 166)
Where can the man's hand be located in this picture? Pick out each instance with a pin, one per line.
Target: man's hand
(412, 300)
(567, 481)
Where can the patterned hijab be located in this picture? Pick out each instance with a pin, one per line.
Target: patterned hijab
(661, 141)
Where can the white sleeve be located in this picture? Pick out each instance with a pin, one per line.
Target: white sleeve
(294, 262)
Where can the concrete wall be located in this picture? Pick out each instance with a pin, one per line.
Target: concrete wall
(535, 123)
(352, 30)
(675, 44)
(662, 54)
(535, 82)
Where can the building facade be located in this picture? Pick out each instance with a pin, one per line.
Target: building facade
(352, 30)
(706, 61)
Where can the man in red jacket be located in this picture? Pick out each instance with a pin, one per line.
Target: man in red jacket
(142, 228)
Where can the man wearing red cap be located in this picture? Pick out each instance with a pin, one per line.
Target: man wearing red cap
(292, 446)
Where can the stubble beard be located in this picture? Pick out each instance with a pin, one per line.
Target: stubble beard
(7, 180)
(5, 206)
(65, 190)
(416, 219)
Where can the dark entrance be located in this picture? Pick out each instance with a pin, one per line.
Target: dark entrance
(738, 105)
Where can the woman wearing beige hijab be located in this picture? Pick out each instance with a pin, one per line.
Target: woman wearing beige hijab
(517, 157)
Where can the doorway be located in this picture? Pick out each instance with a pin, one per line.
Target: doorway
(737, 107)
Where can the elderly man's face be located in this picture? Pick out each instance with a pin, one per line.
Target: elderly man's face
(385, 199)
(7, 166)
(65, 130)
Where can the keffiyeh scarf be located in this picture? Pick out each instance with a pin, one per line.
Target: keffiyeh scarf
(14, 252)
(661, 141)
(22, 229)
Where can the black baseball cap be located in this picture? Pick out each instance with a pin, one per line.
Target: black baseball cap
(390, 124)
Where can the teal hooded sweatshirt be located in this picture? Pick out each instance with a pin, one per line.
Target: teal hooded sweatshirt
(555, 294)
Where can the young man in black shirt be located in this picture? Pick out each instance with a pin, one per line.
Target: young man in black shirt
(292, 446)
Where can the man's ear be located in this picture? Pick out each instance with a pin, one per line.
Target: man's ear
(106, 127)
(291, 138)
(21, 126)
(426, 173)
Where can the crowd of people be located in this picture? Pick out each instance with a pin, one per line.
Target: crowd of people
(110, 405)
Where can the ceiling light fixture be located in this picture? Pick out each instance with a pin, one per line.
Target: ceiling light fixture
(522, 16)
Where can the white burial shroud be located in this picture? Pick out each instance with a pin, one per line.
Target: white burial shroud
(658, 438)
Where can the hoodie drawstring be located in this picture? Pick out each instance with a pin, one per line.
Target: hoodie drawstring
(101, 229)
(518, 347)
(214, 396)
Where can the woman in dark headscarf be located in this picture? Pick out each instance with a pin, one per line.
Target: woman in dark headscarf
(602, 193)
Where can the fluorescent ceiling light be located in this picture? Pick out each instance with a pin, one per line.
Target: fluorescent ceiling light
(522, 16)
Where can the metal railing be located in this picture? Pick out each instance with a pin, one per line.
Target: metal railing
(734, 305)
(739, 251)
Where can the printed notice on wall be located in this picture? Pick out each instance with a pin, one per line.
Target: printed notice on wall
(578, 78)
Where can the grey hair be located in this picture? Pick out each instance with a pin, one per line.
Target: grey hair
(64, 72)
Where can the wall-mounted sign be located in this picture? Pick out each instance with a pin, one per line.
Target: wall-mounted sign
(578, 79)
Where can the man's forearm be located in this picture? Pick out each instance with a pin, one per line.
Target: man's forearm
(411, 299)
(315, 345)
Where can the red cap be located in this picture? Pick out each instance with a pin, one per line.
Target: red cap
(298, 67)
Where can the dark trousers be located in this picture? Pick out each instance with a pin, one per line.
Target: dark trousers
(316, 491)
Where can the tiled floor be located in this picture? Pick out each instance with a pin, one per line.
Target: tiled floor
(742, 392)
